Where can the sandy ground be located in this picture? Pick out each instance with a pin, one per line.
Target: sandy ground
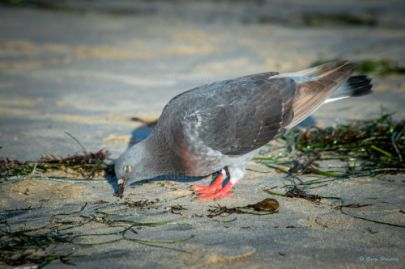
(88, 68)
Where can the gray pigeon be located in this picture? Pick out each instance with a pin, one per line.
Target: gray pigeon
(215, 129)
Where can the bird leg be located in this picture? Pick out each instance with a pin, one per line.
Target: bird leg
(221, 193)
(216, 190)
(214, 187)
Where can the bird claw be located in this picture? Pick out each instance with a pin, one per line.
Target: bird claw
(218, 193)
(201, 189)
(213, 188)
(214, 196)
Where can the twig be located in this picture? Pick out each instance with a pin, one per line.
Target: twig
(393, 140)
(77, 141)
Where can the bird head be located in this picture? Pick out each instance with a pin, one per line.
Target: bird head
(130, 167)
(123, 171)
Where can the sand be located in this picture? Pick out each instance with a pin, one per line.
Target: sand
(90, 72)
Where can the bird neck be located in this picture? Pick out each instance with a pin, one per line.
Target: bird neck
(157, 158)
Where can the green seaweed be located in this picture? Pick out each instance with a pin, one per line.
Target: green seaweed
(368, 147)
(38, 245)
(298, 193)
(381, 67)
(342, 206)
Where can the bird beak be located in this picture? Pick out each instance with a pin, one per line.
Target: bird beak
(121, 187)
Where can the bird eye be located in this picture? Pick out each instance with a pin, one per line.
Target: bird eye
(127, 169)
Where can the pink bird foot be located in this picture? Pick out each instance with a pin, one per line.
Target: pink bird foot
(213, 188)
(223, 192)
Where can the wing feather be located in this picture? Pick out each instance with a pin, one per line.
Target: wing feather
(231, 117)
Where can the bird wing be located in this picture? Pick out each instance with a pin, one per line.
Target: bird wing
(238, 116)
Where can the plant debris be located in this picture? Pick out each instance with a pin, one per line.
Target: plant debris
(100, 202)
(175, 209)
(371, 230)
(140, 204)
(23, 244)
(340, 208)
(264, 207)
(366, 148)
(84, 165)
(23, 247)
(352, 206)
(295, 192)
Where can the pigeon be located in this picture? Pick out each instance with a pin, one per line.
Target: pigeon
(216, 129)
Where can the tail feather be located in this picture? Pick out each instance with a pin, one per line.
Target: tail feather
(359, 86)
(314, 73)
(322, 69)
(317, 86)
(354, 87)
(323, 84)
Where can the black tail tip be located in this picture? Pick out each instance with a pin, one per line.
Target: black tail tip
(359, 85)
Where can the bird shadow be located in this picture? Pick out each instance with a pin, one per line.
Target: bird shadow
(142, 132)
(308, 122)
